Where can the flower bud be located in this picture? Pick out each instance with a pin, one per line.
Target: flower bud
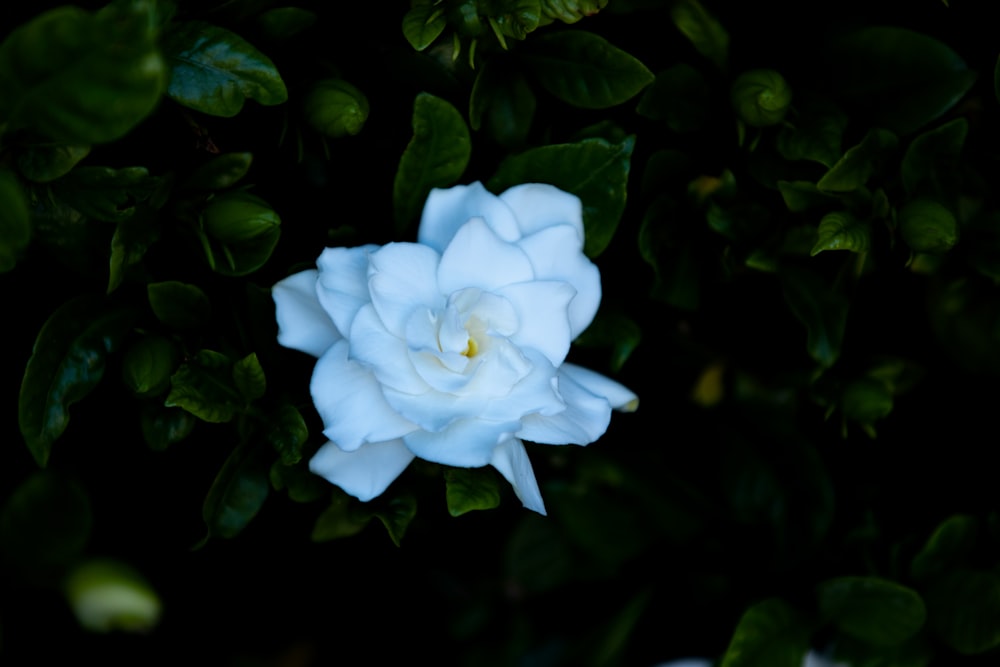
(148, 364)
(336, 108)
(927, 226)
(236, 217)
(761, 97)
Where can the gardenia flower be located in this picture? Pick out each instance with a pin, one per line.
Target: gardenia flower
(451, 349)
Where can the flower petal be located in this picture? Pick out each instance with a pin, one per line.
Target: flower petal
(302, 323)
(511, 460)
(549, 255)
(350, 402)
(619, 396)
(467, 443)
(402, 278)
(364, 473)
(477, 257)
(538, 205)
(343, 283)
(541, 308)
(386, 355)
(447, 210)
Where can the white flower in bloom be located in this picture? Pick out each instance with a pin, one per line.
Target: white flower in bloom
(451, 349)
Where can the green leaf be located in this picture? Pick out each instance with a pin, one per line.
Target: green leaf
(821, 309)
(44, 162)
(238, 492)
(706, 34)
(131, 239)
(875, 610)
(436, 156)
(423, 24)
(680, 96)
(213, 70)
(964, 608)
(612, 330)
(930, 165)
(342, 518)
(903, 79)
(179, 305)
(761, 97)
(287, 432)
(504, 99)
(585, 70)
(148, 363)
(571, 11)
(537, 557)
(396, 516)
(468, 489)
(283, 23)
(80, 77)
(303, 485)
(815, 135)
(105, 194)
(517, 18)
(927, 226)
(594, 170)
(768, 635)
(221, 172)
(865, 401)
(66, 364)
(204, 387)
(801, 196)
(248, 376)
(858, 164)
(841, 231)
(162, 427)
(948, 547)
(15, 225)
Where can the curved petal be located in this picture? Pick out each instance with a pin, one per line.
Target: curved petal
(386, 355)
(466, 443)
(511, 460)
(364, 473)
(541, 308)
(549, 253)
(446, 210)
(435, 410)
(343, 283)
(535, 393)
(538, 205)
(584, 420)
(350, 402)
(302, 323)
(401, 278)
(618, 395)
(477, 257)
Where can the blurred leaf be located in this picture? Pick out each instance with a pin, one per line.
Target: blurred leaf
(436, 156)
(768, 635)
(594, 170)
(571, 11)
(815, 133)
(105, 194)
(947, 548)
(616, 331)
(396, 516)
(585, 70)
(248, 376)
(107, 595)
(237, 494)
(903, 79)
(602, 521)
(131, 239)
(927, 226)
(287, 432)
(80, 77)
(875, 610)
(865, 401)
(842, 231)
(303, 485)
(665, 245)
(680, 96)
(537, 558)
(204, 387)
(179, 305)
(706, 34)
(859, 162)
(423, 23)
(221, 172)
(15, 225)
(283, 23)
(148, 363)
(468, 489)
(162, 427)
(335, 108)
(801, 196)
(612, 641)
(930, 163)
(214, 70)
(964, 608)
(821, 309)
(44, 162)
(504, 99)
(66, 364)
(761, 97)
(342, 518)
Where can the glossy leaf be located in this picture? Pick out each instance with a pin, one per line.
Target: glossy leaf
(585, 70)
(814, 134)
(15, 225)
(66, 364)
(287, 432)
(248, 376)
(571, 11)
(179, 305)
(841, 231)
(435, 157)
(44, 162)
(903, 79)
(204, 387)
(336, 108)
(238, 492)
(768, 635)
(680, 96)
(162, 427)
(503, 103)
(594, 170)
(422, 24)
(396, 516)
(80, 77)
(821, 309)
(517, 18)
(801, 196)
(927, 226)
(214, 71)
(964, 608)
(468, 489)
(875, 610)
(947, 548)
(221, 172)
(858, 164)
(129, 244)
(930, 165)
(148, 363)
(704, 32)
(105, 194)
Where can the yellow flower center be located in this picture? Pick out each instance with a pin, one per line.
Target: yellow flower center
(471, 348)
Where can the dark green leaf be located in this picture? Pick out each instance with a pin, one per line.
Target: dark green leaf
(148, 363)
(221, 172)
(875, 610)
(131, 239)
(964, 608)
(66, 364)
(435, 157)
(815, 134)
(680, 96)
(571, 11)
(538, 558)
(468, 489)
(179, 305)
(284, 22)
(947, 548)
(162, 427)
(80, 77)
(802, 195)
(15, 225)
(423, 24)
(768, 635)
(904, 79)
(927, 226)
(593, 169)
(665, 245)
(821, 309)
(504, 99)
(105, 194)
(930, 165)
(287, 432)
(858, 164)
(214, 70)
(204, 387)
(336, 108)
(865, 401)
(238, 492)
(342, 518)
(248, 376)
(706, 34)
(44, 162)
(238, 232)
(613, 330)
(761, 97)
(396, 516)
(517, 18)
(841, 231)
(302, 484)
(585, 70)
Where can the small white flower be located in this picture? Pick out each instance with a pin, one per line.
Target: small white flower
(451, 349)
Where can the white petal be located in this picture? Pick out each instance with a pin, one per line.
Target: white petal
(619, 396)
(477, 257)
(364, 473)
(350, 402)
(511, 460)
(535, 393)
(435, 410)
(496, 314)
(386, 355)
(343, 283)
(447, 210)
(302, 323)
(537, 206)
(584, 420)
(541, 308)
(467, 443)
(552, 259)
(402, 278)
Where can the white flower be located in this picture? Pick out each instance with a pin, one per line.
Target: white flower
(451, 349)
